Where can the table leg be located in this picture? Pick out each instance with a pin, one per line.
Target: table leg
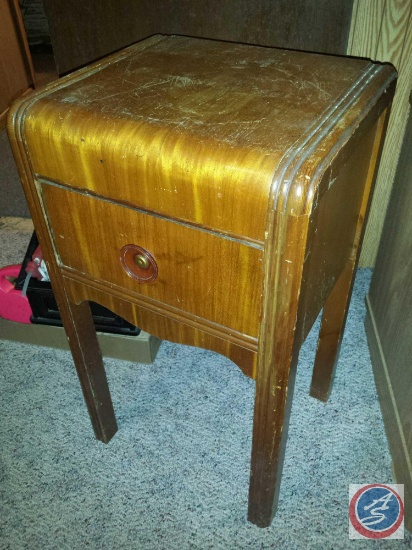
(77, 318)
(273, 400)
(79, 326)
(335, 311)
(275, 374)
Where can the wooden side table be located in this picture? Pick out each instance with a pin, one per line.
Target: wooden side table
(213, 194)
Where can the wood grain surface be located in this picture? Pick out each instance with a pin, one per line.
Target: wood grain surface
(198, 272)
(162, 128)
(382, 31)
(173, 328)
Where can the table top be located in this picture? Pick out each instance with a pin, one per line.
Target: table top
(185, 124)
(240, 95)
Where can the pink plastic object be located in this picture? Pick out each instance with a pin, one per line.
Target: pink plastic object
(13, 305)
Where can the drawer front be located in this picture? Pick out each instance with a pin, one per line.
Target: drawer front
(196, 271)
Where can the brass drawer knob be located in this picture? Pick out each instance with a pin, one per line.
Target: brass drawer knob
(138, 263)
(142, 261)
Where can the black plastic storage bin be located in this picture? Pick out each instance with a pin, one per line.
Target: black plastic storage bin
(44, 306)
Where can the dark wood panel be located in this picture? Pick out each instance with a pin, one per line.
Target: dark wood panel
(16, 71)
(389, 322)
(84, 31)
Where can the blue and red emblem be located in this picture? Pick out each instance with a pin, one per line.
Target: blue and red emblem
(376, 511)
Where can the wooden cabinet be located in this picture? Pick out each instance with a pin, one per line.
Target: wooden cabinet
(214, 194)
(389, 323)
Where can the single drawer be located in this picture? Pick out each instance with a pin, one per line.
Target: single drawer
(196, 271)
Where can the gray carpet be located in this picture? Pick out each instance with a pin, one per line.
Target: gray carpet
(175, 476)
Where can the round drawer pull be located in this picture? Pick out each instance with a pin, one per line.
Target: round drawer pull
(142, 261)
(138, 263)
